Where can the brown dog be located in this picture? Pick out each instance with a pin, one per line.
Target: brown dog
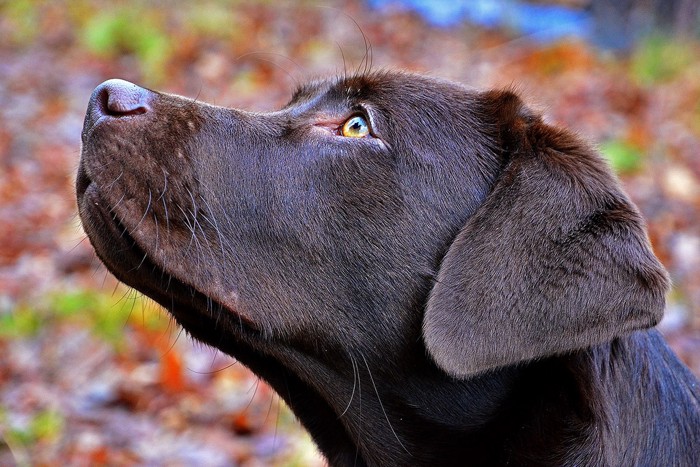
(427, 274)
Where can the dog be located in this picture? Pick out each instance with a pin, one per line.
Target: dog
(427, 274)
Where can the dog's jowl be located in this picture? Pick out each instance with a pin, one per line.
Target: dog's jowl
(427, 274)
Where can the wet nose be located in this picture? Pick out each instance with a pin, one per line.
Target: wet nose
(117, 98)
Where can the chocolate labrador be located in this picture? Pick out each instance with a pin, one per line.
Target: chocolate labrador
(427, 274)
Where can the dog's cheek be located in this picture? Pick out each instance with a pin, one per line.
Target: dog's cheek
(312, 235)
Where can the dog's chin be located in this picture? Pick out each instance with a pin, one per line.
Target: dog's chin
(133, 264)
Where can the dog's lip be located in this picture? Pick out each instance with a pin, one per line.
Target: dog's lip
(109, 121)
(91, 199)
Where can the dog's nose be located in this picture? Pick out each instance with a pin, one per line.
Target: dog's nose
(117, 98)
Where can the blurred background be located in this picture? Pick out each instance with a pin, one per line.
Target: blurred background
(94, 374)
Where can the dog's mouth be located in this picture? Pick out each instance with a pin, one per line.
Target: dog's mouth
(138, 266)
(132, 264)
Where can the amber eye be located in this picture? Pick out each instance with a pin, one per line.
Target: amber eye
(355, 127)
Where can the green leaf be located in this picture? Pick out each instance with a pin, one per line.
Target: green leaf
(18, 323)
(133, 30)
(74, 302)
(624, 157)
(659, 59)
(47, 425)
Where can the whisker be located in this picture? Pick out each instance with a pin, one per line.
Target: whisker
(114, 181)
(355, 377)
(119, 201)
(162, 199)
(190, 226)
(143, 260)
(145, 212)
(381, 405)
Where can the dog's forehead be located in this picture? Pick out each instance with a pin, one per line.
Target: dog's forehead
(359, 87)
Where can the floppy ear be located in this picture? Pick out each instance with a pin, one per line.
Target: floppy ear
(556, 258)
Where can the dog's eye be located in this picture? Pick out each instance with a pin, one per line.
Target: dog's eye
(355, 127)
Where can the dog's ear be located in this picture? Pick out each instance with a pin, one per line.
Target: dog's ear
(556, 258)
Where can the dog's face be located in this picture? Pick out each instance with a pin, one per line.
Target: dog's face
(391, 222)
(327, 218)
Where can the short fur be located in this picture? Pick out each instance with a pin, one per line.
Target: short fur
(467, 286)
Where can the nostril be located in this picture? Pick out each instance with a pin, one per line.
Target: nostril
(119, 98)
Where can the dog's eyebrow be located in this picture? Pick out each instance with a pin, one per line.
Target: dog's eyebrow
(301, 93)
(308, 91)
(323, 94)
(341, 89)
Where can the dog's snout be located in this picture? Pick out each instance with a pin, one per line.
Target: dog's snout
(117, 98)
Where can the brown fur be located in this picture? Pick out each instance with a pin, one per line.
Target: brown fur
(467, 286)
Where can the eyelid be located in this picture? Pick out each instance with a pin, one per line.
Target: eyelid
(374, 124)
(362, 111)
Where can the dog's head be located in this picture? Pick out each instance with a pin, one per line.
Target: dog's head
(373, 215)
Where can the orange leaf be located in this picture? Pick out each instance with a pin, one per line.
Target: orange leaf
(171, 377)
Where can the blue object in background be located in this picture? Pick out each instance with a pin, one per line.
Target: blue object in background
(541, 22)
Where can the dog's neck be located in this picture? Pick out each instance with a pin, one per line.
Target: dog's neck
(413, 416)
